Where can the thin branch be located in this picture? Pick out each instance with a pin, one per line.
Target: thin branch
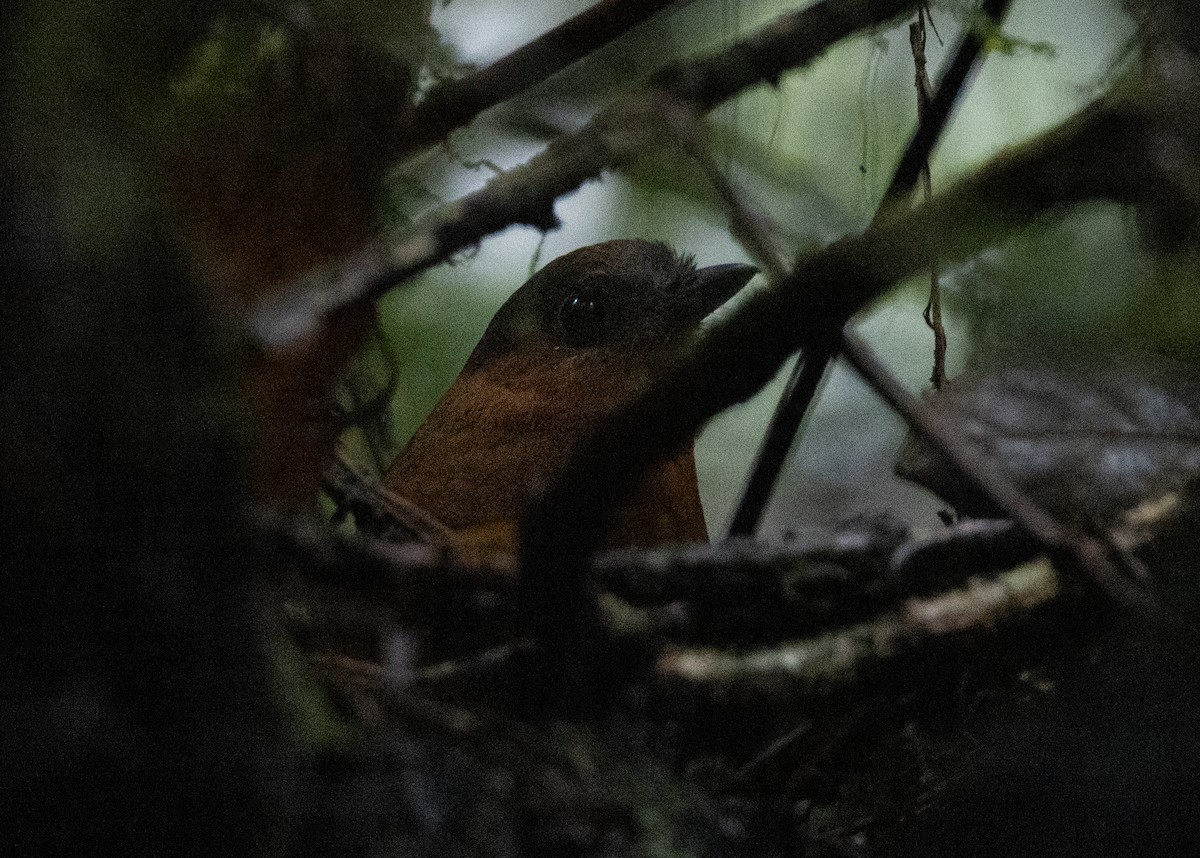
(471, 668)
(933, 309)
(456, 103)
(807, 746)
(813, 364)
(750, 227)
(526, 195)
(781, 432)
(361, 676)
(381, 567)
(908, 170)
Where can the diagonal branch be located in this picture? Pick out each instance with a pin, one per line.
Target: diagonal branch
(452, 105)
(380, 511)
(526, 195)
(786, 419)
(937, 115)
(1114, 570)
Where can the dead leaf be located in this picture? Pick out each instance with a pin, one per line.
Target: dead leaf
(1110, 444)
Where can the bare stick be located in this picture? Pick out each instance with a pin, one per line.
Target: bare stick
(751, 227)
(383, 511)
(933, 309)
(781, 432)
(908, 171)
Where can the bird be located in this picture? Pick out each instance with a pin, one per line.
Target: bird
(581, 338)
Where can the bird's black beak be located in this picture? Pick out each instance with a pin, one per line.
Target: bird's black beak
(716, 284)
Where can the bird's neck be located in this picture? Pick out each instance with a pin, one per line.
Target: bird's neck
(503, 433)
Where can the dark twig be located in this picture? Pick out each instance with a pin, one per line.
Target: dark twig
(370, 678)
(811, 367)
(1112, 569)
(781, 432)
(933, 309)
(454, 104)
(908, 171)
(526, 195)
(808, 745)
(752, 228)
(380, 511)
(380, 567)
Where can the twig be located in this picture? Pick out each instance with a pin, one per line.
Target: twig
(381, 511)
(813, 363)
(526, 195)
(454, 104)
(933, 309)
(471, 668)
(368, 677)
(752, 228)
(821, 665)
(781, 432)
(908, 170)
(753, 233)
(1104, 563)
(366, 411)
(381, 567)
(809, 744)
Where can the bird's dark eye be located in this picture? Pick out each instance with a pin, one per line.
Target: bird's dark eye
(582, 320)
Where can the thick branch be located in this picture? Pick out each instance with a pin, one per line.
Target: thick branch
(526, 195)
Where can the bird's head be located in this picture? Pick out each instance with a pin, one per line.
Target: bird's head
(629, 297)
(586, 333)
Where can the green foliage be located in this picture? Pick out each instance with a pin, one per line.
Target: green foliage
(302, 703)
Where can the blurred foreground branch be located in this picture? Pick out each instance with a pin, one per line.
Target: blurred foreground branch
(454, 104)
